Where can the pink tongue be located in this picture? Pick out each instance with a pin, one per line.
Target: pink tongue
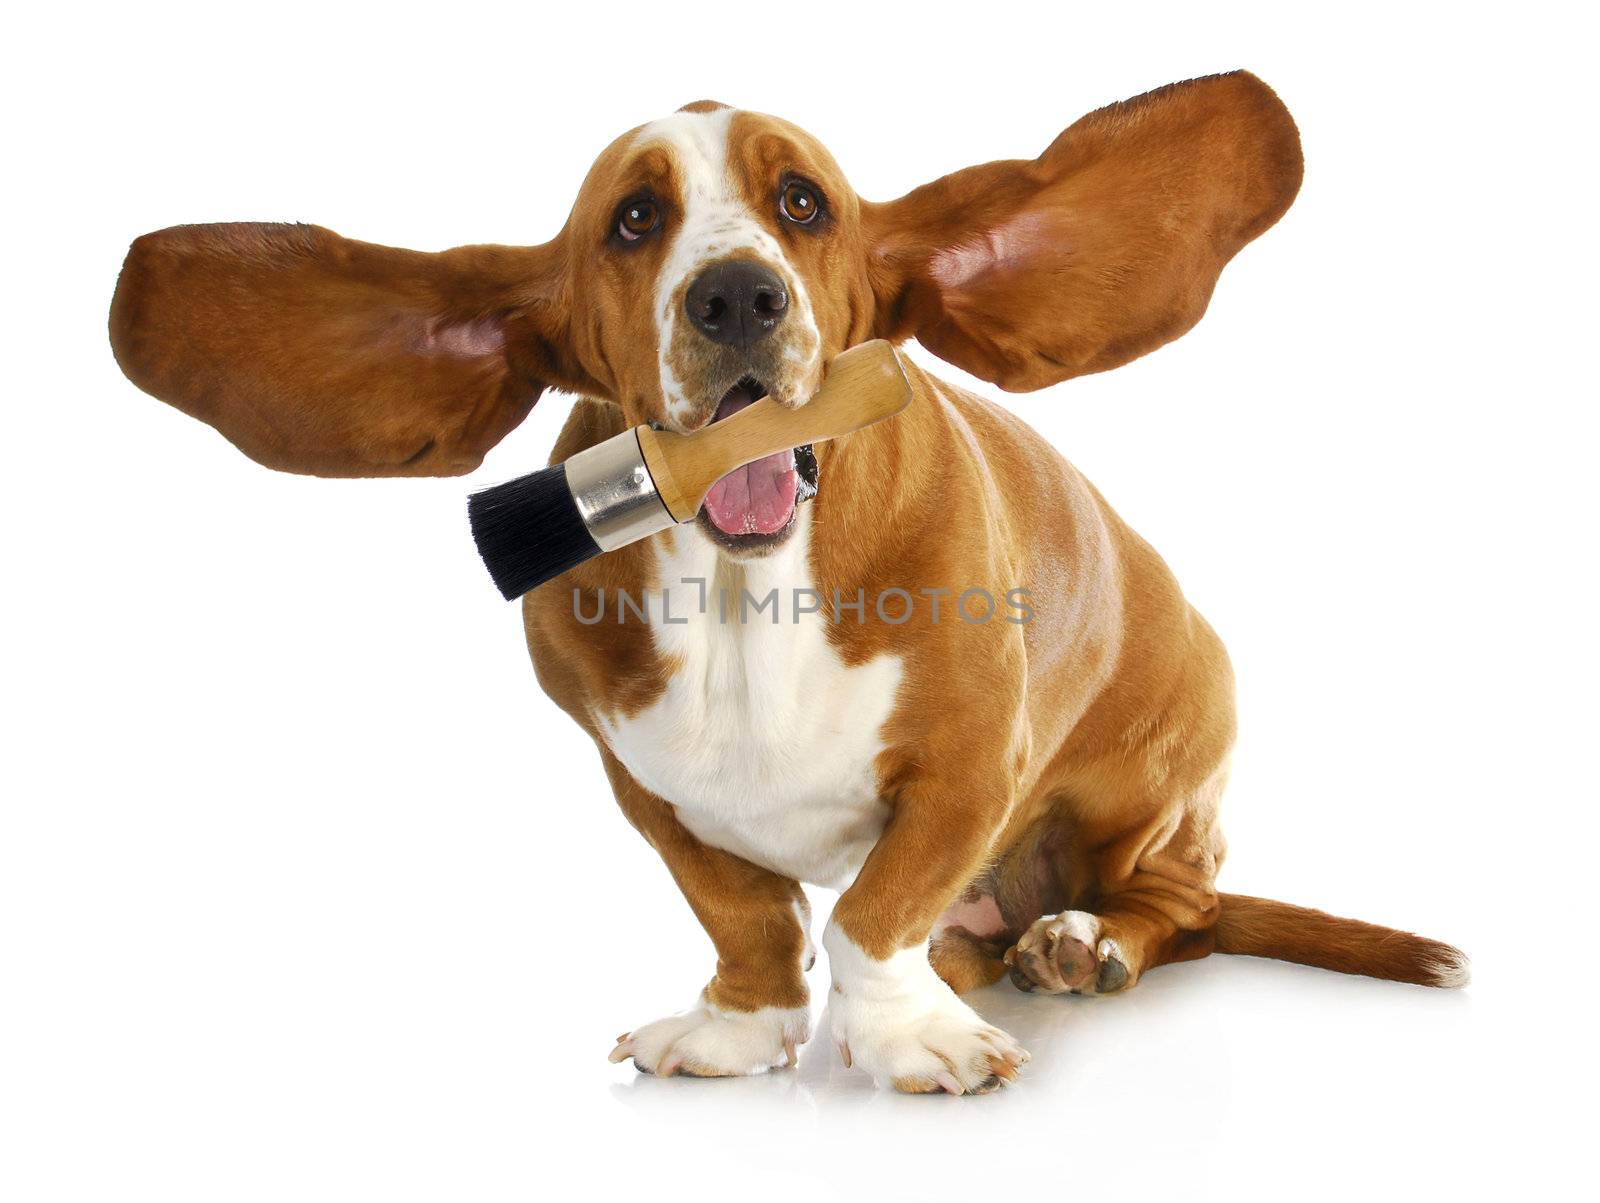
(756, 499)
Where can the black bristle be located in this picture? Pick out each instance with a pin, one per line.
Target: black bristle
(529, 530)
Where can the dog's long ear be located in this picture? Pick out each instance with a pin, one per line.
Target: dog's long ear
(1103, 248)
(315, 353)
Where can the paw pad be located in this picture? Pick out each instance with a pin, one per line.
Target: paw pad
(1064, 953)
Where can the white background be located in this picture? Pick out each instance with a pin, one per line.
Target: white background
(308, 893)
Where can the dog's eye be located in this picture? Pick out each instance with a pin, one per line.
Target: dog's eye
(798, 202)
(636, 219)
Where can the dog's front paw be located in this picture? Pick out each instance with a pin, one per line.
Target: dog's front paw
(925, 1045)
(708, 1042)
(893, 1017)
(901, 1024)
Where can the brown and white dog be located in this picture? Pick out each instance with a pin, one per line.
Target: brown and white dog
(967, 696)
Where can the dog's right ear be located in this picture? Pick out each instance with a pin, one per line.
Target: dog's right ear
(318, 354)
(1106, 246)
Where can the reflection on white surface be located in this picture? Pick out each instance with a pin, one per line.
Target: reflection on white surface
(1152, 1083)
(1045, 1027)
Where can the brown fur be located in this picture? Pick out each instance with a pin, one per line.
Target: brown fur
(1259, 927)
(1072, 763)
(748, 912)
(316, 353)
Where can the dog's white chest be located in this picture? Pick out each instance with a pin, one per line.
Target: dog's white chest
(764, 740)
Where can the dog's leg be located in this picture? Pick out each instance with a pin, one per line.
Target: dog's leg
(891, 1014)
(1151, 899)
(965, 961)
(753, 1013)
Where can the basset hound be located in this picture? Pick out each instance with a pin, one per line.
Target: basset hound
(927, 665)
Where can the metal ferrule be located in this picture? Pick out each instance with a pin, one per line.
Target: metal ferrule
(614, 493)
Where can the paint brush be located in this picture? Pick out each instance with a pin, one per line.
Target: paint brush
(643, 480)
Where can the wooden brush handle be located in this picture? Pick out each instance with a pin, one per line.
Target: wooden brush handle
(864, 385)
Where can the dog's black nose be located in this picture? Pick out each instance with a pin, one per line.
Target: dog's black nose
(738, 302)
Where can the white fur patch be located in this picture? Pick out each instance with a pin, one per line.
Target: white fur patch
(898, 1021)
(1081, 926)
(707, 1040)
(1452, 971)
(715, 222)
(764, 741)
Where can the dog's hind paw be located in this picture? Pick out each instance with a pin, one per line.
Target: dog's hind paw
(1069, 951)
(708, 1042)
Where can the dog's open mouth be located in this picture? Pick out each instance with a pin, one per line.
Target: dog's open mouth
(758, 499)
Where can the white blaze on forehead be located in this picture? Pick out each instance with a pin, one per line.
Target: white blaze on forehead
(715, 221)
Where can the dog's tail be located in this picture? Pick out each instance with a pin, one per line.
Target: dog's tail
(1259, 927)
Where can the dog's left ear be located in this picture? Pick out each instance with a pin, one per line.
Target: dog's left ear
(320, 354)
(1102, 249)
